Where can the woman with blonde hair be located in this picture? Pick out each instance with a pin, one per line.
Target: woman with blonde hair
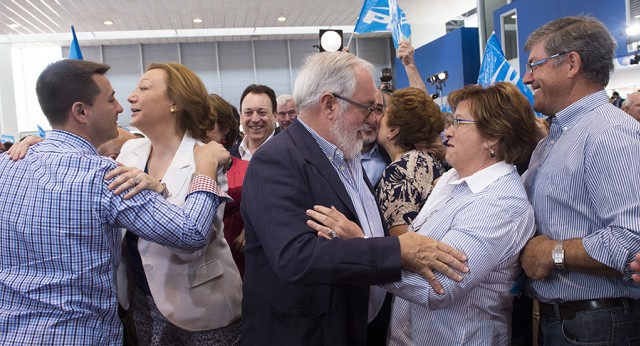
(180, 297)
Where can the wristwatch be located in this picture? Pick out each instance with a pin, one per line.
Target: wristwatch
(558, 255)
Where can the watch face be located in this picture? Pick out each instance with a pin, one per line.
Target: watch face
(558, 256)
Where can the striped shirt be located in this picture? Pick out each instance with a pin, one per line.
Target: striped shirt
(351, 174)
(583, 183)
(60, 242)
(486, 216)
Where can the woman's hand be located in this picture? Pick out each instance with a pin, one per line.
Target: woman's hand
(19, 150)
(209, 157)
(332, 223)
(130, 177)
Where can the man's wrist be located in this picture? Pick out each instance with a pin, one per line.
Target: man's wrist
(558, 255)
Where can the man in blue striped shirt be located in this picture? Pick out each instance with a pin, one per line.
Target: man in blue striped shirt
(582, 184)
(60, 239)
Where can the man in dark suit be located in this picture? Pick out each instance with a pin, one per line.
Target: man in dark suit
(299, 288)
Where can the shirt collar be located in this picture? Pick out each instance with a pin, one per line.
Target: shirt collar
(479, 180)
(243, 148)
(373, 152)
(328, 148)
(570, 115)
(63, 138)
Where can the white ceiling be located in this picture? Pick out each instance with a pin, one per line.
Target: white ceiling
(167, 21)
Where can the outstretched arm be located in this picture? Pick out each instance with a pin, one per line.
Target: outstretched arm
(405, 52)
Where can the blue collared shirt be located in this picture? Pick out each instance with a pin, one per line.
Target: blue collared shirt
(60, 242)
(486, 216)
(351, 175)
(587, 187)
(373, 164)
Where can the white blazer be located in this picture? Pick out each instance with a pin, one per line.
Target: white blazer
(195, 290)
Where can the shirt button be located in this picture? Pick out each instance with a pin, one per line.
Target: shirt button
(148, 267)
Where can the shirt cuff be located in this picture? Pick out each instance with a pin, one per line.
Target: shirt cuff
(208, 184)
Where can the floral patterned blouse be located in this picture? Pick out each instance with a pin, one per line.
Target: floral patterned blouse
(405, 185)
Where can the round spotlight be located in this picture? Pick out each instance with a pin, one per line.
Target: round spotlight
(330, 40)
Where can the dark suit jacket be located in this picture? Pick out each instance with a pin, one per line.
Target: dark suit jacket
(300, 289)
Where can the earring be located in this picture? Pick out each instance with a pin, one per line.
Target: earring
(172, 109)
(492, 153)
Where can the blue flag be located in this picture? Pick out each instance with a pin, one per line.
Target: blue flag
(74, 48)
(41, 132)
(383, 16)
(496, 68)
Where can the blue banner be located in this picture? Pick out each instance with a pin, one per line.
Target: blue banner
(74, 48)
(383, 16)
(496, 68)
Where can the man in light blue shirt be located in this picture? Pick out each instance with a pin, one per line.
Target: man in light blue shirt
(60, 238)
(583, 187)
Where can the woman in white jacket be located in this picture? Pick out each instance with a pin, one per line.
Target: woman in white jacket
(179, 297)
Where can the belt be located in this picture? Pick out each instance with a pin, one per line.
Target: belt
(568, 310)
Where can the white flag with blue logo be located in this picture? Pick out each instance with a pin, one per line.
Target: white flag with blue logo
(383, 16)
(496, 68)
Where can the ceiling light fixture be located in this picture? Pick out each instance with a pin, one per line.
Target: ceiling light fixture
(282, 18)
(197, 20)
(108, 22)
(14, 25)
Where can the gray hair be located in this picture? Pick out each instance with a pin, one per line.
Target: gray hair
(584, 35)
(284, 99)
(333, 72)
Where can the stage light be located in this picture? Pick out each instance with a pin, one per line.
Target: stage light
(439, 78)
(330, 40)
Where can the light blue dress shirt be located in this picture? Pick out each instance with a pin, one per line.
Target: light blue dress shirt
(486, 216)
(583, 183)
(60, 242)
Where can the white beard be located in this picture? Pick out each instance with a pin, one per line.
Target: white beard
(346, 138)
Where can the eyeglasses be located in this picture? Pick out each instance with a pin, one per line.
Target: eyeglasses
(531, 66)
(376, 109)
(290, 113)
(456, 122)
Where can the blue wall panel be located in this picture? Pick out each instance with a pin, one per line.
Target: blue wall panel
(458, 52)
(534, 13)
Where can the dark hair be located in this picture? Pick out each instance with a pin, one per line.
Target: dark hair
(261, 89)
(501, 112)
(64, 83)
(417, 116)
(581, 34)
(190, 95)
(225, 118)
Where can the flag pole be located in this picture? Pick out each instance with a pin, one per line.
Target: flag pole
(353, 32)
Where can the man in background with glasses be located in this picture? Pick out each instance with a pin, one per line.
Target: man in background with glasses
(304, 285)
(582, 184)
(287, 111)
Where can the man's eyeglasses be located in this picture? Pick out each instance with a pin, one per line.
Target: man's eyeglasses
(456, 122)
(377, 109)
(290, 113)
(531, 66)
